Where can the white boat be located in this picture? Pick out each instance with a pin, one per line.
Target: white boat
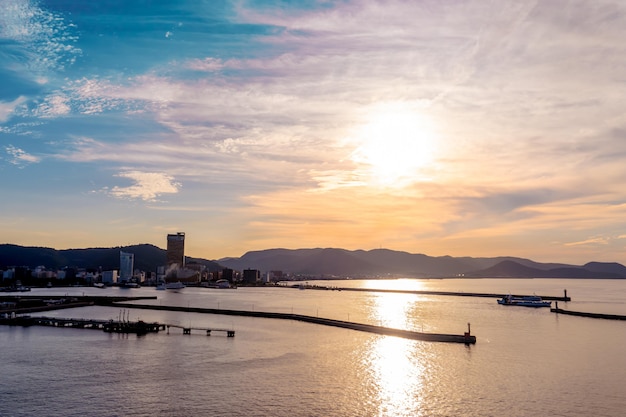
(527, 301)
(174, 285)
(161, 287)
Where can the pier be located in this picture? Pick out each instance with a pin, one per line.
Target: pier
(466, 338)
(187, 330)
(139, 327)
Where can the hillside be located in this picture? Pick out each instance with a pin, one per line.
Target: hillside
(317, 262)
(147, 257)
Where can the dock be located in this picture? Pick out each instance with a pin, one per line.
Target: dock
(466, 338)
(139, 327)
(188, 329)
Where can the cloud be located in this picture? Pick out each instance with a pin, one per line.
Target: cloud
(6, 109)
(591, 241)
(20, 158)
(48, 39)
(148, 186)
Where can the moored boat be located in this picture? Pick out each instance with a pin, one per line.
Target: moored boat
(526, 301)
(174, 285)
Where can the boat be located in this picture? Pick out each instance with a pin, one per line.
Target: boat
(98, 284)
(161, 287)
(174, 285)
(525, 301)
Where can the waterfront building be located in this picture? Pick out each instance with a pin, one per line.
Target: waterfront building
(228, 274)
(251, 276)
(109, 277)
(175, 250)
(127, 261)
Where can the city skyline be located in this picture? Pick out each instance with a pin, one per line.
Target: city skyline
(461, 129)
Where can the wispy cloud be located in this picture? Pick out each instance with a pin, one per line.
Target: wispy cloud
(591, 241)
(19, 157)
(6, 109)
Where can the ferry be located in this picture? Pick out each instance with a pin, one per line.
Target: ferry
(527, 301)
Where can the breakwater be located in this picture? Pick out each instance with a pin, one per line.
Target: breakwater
(565, 297)
(588, 315)
(466, 338)
(33, 304)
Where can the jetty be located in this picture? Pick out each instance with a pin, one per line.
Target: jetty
(109, 326)
(188, 329)
(558, 310)
(466, 338)
(565, 297)
(139, 327)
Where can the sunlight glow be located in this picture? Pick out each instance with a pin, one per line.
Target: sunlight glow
(398, 375)
(395, 144)
(395, 363)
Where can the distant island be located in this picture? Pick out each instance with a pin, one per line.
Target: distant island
(320, 263)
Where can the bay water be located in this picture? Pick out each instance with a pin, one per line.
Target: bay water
(526, 361)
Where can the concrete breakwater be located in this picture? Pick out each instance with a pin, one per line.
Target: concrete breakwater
(565, 297)
(466, 338)
(588, 315)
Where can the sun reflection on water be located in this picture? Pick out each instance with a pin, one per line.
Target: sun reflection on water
(397, 376)
(395, 365)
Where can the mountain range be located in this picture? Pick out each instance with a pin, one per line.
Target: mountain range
(331, 262)
(318, 262)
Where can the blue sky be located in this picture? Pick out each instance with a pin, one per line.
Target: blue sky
(446, 128)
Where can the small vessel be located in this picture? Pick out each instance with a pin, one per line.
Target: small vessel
(161, 286)
(526, 301)
(98, 284)
(174, 285)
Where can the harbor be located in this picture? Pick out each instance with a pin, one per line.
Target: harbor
(124, 326)
(302, 361)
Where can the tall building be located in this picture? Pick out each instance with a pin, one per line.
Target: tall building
(176, 250)
(251, 275)
(127, 264)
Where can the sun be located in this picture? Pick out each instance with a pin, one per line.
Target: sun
(394, 144)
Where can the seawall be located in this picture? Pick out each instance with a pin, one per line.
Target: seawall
(466, 338)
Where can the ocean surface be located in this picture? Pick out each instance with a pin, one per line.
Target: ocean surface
(526, 362)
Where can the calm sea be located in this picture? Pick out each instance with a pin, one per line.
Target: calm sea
(526, 362)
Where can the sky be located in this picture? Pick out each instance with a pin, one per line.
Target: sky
(463, 128)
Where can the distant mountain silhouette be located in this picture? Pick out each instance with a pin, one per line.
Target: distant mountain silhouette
(511, 269)
(318, 262)
(382, 262)
(147, 257)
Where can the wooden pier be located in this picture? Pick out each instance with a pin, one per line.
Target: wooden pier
(187, 330)
(139, 327)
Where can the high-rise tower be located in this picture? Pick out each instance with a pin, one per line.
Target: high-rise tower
(176, 250)
(127, 261)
